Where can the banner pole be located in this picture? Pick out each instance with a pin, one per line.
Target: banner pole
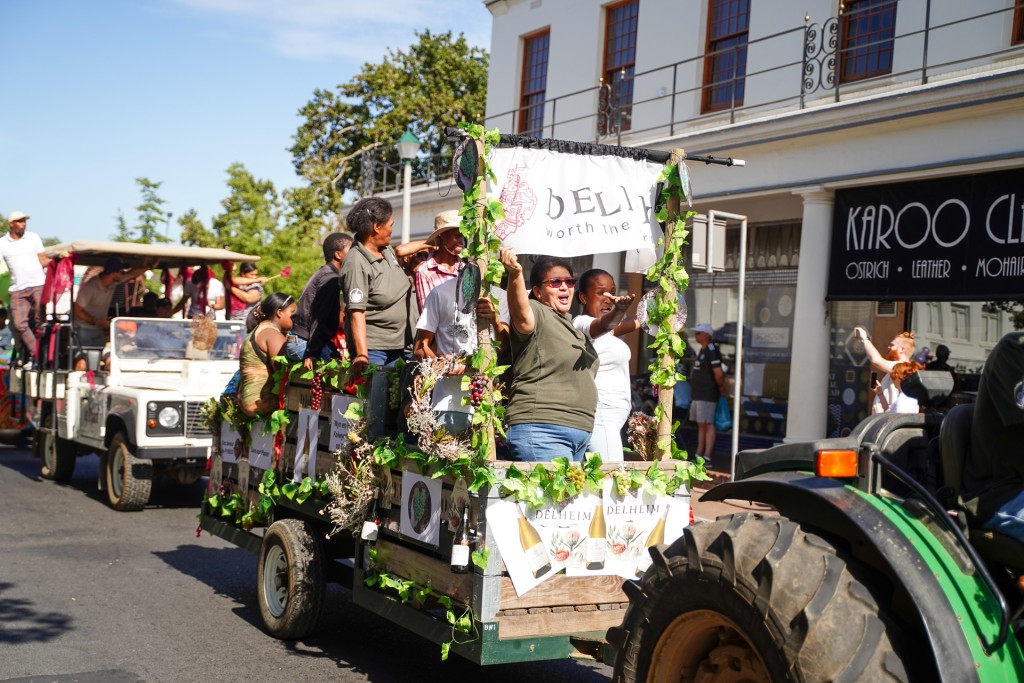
(666, 394)
(483, 327)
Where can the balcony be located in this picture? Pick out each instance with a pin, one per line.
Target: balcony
(791, 71)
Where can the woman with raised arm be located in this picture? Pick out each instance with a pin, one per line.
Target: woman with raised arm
(273, 318)
(602, 323)
(552, 400)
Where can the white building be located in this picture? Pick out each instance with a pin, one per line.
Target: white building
(835, 113)
(829, 111)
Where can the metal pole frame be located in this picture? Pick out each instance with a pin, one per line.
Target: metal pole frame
(737, 393)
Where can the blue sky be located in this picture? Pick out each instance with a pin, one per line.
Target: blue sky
(97, 93)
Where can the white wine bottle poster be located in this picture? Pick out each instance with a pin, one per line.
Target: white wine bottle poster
(536, 544)
(631, 524)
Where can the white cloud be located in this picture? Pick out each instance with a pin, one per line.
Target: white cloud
(357, 30)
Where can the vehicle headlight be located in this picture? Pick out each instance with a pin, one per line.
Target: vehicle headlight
(169, 417)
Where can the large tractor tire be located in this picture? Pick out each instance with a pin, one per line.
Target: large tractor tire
(752, 598)
(57, 456)
(290, 579)
(129, 479)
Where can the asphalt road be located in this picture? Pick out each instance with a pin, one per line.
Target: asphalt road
(93, 595)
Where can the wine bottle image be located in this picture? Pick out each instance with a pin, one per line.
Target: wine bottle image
(597, 541)
(460, 546)
(656, 537)
(536, 554)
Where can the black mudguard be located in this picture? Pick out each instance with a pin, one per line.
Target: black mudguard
(834, 510)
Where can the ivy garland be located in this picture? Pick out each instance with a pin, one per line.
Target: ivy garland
(463, 623)
(670, 274)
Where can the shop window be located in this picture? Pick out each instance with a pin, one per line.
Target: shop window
(725, 60)
(868, 29)
(535, 83)
(1017, 35)
(961, 319)
(616, 99)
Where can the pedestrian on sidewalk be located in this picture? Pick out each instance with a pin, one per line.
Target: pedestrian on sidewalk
(707, 383)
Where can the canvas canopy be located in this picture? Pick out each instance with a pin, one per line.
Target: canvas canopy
(95, 252)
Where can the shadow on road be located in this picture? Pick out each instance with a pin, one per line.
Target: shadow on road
(166, 494)
(19, 623)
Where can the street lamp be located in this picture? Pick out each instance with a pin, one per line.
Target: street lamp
(408, 145)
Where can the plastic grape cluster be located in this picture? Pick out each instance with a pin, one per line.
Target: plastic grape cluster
(316, 391)
(394, 394)
(577, 478)
(477, 390)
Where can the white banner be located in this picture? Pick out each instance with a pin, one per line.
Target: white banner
(562, 204)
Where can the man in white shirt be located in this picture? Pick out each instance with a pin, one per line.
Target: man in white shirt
(23, 252)
(444, 331)
(92, 303)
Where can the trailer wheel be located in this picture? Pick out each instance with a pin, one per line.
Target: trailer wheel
(57, 455)
(129, 479)
(290, 579)
(756, 599)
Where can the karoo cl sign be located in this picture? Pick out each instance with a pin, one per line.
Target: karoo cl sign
(959, 238)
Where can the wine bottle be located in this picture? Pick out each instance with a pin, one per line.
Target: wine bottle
(656, 537)
(371, 525)
(460, 546)
(536, 554)
(596, 539)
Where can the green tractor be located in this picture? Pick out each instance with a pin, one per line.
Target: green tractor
(869, 572)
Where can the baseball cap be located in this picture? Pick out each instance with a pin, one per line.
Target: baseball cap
(705, 328)
(17, 216)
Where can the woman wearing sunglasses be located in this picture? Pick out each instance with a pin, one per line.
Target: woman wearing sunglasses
(553, 396)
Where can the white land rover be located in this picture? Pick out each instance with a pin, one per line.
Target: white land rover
(138, 409)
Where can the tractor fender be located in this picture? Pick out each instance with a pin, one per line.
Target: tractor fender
(831, 508)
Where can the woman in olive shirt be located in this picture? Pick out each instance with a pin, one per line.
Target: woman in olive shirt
(380, 307)
(553, 397)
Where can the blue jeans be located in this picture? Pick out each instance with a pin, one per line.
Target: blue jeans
(539, 442)
(295, 349)
(1009, 519)
(387, 357)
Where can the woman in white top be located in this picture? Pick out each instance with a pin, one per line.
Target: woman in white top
(601, 321)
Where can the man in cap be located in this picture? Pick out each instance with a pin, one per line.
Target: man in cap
(92, 305)
(444, 263)
(707, 383)
(23, 252)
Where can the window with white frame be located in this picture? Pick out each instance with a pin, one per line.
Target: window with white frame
(991, 327)
(960, 316)
(933, 317)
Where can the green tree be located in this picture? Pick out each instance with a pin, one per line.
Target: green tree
(194, 233)
(439, 81)
(255, 221)
(152, 222)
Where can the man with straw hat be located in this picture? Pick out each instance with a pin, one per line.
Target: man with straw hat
(444, 263)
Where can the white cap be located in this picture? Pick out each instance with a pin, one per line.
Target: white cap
(17, 216)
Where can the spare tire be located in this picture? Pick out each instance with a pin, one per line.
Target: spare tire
(753, 598)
